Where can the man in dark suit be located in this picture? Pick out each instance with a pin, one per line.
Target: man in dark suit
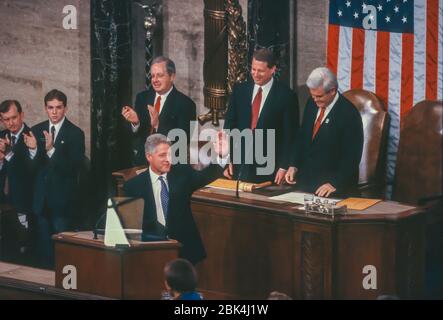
(329, 145)
(167, 191)
(58, 154)
(15, 159)
(16, 174)
(159, 109)
(267, 104)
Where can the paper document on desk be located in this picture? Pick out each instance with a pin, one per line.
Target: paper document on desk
(297, 197)
(293, 197)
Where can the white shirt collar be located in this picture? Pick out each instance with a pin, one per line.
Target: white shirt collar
(17, 135)
(266, 87)
(57, 126)
(155, 177)
(164, 96)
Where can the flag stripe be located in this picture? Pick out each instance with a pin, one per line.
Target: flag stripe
(369, 62)
(440, 52)
(344, 58)
(395, 61)
(382, 67)
(419, 51)
(407, 74)
(333, 38)
(358, 50)
(432, 49)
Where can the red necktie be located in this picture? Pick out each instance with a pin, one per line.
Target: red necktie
(157, 105)
(256, 108)
(318, 122)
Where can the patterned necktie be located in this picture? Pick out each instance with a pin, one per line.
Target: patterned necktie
(53, 133)
(164, 196)
(157, 104)
(256, 108)
(318, 122)
(13, 140)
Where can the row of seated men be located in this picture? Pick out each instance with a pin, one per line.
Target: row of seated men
(39, 166)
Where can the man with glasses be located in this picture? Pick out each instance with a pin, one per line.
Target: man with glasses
(329, 144)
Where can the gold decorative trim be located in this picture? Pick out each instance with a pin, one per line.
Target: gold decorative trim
(238, 48)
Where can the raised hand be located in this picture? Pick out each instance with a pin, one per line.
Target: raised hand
(154, 116)
(49, 141)
(130, 115)
(30, 140)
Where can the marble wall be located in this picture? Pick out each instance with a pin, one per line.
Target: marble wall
(37, 54)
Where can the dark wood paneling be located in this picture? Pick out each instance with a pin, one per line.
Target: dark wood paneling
(249, 253)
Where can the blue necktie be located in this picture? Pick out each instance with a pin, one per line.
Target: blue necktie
(164, 196)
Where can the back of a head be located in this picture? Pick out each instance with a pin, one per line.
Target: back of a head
(275, 295)
(181, 276)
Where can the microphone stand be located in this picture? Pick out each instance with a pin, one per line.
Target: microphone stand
(237, 194)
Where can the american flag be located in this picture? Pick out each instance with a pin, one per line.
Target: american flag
(401, 60)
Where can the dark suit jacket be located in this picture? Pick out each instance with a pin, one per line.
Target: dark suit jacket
(280, 112)
(57, 177)
(177, 112)
(20, 175)
(180, 224)
(334, 154)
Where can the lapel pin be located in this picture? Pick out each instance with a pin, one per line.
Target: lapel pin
(62, 142)
(327, 121)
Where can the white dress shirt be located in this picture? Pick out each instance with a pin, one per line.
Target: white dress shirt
(156, 188)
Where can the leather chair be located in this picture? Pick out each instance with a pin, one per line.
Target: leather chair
(372, 173)
(418, 181)
(419, 158)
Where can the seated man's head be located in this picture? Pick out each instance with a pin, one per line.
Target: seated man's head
(323, 86)
(180, 277)
(158, 153)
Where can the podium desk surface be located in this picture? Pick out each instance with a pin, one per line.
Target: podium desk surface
(382, 211)
(86, 238)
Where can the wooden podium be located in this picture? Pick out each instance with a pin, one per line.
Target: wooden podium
(134, 272)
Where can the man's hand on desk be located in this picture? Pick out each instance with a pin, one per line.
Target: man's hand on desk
(280, 176)
(290, 175)
(325, 190)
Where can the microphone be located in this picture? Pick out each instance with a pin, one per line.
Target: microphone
(237, 194)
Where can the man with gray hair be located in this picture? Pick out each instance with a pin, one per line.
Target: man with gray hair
(167, 191)
(159, 109)
(329, 145)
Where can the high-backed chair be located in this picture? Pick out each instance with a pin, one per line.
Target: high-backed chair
(418, 180)
(372, 173)
(419, 158)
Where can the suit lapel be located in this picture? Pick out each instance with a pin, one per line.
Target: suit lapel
(148, 194)
(167, 107)
(61, 136)
(248, 103)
